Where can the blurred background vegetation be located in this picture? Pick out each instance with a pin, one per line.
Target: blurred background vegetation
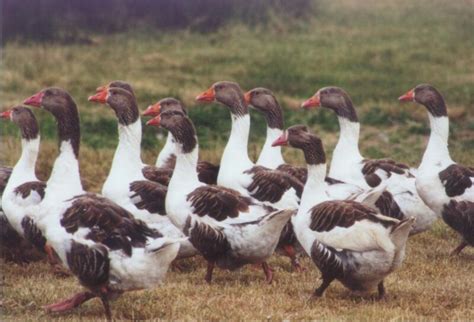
(376, 50)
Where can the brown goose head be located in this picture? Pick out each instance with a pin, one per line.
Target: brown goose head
(299, 137)
(164, 105)
(428, 96)
(180, 126)
(61, 104)
(25, 119)
(117, 83)
(227, 93)
(264, 101)
(334, 98)
(121, 101)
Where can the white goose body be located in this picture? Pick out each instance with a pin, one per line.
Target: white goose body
(226, 227)
(346, 240)
(13, 203)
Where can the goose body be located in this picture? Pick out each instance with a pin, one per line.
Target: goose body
(226, 227)
(23, 188)
(445, 186)
(346, 240)
(101, 243)
(126, 184)
(350, 166)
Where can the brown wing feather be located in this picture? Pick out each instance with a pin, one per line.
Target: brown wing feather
(460, 217)
(152, 196)
(5, 173)
(109, 223)
(217, 202)
(456, 179)
(207, 172)
(387, 165)
(270, 185)
(160, 175)
(300, 173)
(330, 214)
(26, 188)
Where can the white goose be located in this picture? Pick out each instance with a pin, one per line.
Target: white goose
(227, 228)
(445, 186)
(101, 243)
(126, 184)
(349, 166)
(23, 188)
(207, 172)
(345, 239)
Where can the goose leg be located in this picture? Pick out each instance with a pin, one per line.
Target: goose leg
(70, 303)
(58, 269)
(290, 252)
(105, 303)
(210, 269)
(268, 272)
(381, 289)
(458, 249)
(324, 285)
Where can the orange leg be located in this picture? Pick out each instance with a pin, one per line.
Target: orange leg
(268, 272)
(290, 252)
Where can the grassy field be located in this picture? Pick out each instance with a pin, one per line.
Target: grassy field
(376, 50)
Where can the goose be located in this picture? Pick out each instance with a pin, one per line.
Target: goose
(346, 240)
(152, 173)
(445, 186)
(264, 101)
(126, 184)
(273, 188)
(227, 228)
(101, 243)
(349, 166)
(20, 187)
(207, 172)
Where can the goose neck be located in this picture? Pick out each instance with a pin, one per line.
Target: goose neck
(235, 152)
(315, 187)
(437, 149)
(128, 149)
(166, 152)
(271, 157)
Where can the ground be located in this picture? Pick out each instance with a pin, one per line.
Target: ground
(376, 50)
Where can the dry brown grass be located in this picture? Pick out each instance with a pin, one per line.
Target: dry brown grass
(430, 285)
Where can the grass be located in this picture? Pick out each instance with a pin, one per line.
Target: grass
(376, 50)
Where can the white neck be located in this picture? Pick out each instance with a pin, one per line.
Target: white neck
(166, 152)
(347, 148)
(127, 159)
(235, 157)
(24, 169)
(314, 193)
(186, 166)
(271, 157)
(65, 179)
(437, 151)
(315, 187)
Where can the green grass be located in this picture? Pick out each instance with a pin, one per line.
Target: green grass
(376, 50)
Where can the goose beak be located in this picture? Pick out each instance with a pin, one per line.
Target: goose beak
(99, 96)
(152, 110)
(154, 121)
(34, 100)
(207, 96)
(247, 98)
(282, 140)
(101, 88)
(6, 114)
(408, 96)
(311, 102)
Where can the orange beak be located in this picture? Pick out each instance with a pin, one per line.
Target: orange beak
(311, 102)
(207, 96)
(282, 140)
(408, 97)
(34, 100)
(101, 88)
(152, 110)
(100, 96)
(6, 114)
(247, 97)
(154, 121)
